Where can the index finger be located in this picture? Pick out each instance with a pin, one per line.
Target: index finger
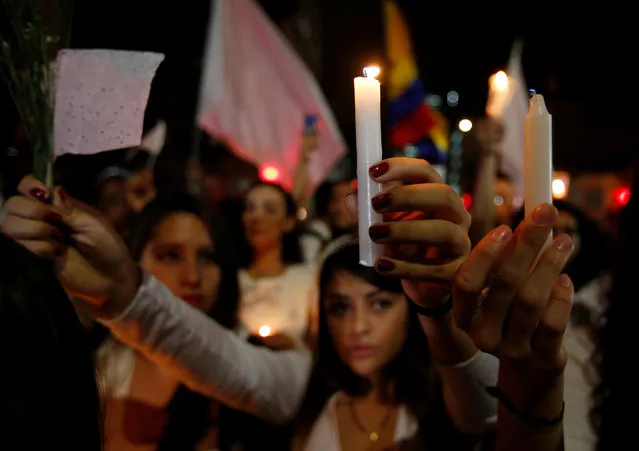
(28, 208)
(407, 170)
(472, 277)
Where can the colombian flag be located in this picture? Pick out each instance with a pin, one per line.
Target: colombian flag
(413, 121)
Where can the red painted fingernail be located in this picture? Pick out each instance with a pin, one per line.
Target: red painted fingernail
(379, 232)
(382, 201)
(39, 194)
(384, 265)
(379, 169)
(53, 217)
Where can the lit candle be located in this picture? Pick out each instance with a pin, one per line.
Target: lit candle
(369, 151)
(537, 155)
(264, 331)
(498, 94)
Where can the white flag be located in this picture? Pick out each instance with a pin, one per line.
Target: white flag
(256, 92)
(510, 108)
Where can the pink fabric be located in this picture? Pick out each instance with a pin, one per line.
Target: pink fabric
(256, 92)
(100, 98)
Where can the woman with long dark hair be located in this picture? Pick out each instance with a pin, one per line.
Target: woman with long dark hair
(374, 382)
(182, 244)
(275, 284)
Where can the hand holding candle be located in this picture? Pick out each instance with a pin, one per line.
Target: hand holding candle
(369, 151)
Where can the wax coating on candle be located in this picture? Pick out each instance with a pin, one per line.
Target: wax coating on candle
(369, 151)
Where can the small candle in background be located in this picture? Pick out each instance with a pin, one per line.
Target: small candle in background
(264, 331)
(369, 151)
(537, 155)
(498, 94)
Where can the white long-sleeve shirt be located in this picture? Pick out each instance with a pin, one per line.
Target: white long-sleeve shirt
(215, 362)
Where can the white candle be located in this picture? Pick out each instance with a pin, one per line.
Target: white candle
(369, 151)
(537, 155)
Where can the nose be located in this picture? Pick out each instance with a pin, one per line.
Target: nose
(360, 322)
(191, 273)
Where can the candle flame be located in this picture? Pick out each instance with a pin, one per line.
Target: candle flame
(500, 81)
(371, 71)
(264, 331)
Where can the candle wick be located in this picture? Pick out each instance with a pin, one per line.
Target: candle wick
(531, 93)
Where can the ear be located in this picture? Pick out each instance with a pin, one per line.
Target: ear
(289, 224)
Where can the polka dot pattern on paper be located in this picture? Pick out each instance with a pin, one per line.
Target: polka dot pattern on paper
(100, 98)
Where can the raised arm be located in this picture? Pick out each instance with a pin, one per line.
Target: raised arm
(211, 359)
(98, 269)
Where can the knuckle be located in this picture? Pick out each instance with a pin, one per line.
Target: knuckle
(465, 282)
(515, 350)
(550, 331)
(488, 339)
(530, 300)
(508, 279)
(450, 195)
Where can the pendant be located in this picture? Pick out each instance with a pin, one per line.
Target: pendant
(374, 437)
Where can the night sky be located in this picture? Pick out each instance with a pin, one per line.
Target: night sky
(582, 60)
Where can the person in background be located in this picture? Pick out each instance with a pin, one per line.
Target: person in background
(494, 201)
(275, 286)
(110, 185)
(332, 219)
(140, 185)
(48, 388)
(146, 407)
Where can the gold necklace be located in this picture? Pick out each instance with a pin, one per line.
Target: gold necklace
(373, 435)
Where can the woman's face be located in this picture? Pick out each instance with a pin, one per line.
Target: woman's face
(181, 256)
(265, 218)
(113, 203)
(140, 189)
(367, 325)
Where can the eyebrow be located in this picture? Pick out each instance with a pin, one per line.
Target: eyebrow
(340, 296)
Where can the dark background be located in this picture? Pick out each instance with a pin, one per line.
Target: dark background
(582, 59)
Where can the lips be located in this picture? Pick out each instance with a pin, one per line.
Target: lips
(194, 299)
(360, 352)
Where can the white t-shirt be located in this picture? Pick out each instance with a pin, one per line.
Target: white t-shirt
(283, 303)
(325, 433)
(580, 375)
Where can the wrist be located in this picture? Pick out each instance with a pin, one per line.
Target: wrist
(123, 293)
(448, 344)
(538, 393)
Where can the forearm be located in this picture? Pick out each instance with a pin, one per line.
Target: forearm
(515, 433)
(483, 197)
(465, 373)
(211, 359)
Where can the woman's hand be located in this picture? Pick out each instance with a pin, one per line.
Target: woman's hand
(96, 267)
(518, 310)
(425, 229)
